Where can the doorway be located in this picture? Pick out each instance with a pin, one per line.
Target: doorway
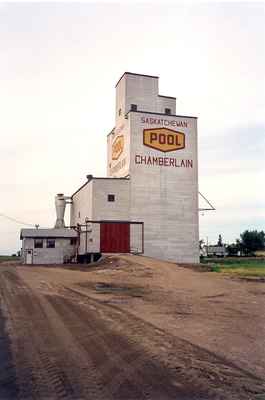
(115, 237)
(29, 256)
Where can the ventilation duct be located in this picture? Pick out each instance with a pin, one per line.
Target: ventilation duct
(60, 203)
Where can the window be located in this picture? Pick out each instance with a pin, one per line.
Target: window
(50, 244)
(119, 112)
(73, 241)
(38, 243)
(111, 197)
(133, 107)
(78, 214)
(167, 111)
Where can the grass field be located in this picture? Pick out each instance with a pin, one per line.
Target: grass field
(8, 258)
(241, 267)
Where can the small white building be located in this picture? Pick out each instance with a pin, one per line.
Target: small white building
(148, 203)
(48, 246)
(215, 250)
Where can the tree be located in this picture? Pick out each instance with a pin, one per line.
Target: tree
(233, 248)
(252, 241)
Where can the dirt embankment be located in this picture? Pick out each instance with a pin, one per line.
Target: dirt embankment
(130, 328)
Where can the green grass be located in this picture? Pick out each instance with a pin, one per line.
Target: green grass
(241, 267)
(9, 258)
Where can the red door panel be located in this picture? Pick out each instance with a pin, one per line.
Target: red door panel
(114, 237)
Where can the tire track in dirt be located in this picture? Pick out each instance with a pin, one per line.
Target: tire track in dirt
(210, 373)
(46, 369)
(49, 378)
(135, 331)
(8, 384)
(68, 345)
(22, 340)
(127, 370)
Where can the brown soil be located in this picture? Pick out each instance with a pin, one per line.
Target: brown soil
(130, 328)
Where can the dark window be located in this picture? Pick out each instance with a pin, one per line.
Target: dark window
(38, 243)
(78, 214)
(167, 111)
(73, 241)
(133, 107)
(111, 197)
(50, 243)
(120, 112)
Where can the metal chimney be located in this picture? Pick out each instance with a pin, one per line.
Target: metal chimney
(60, 203)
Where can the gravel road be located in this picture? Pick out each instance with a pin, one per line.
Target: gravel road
(110, 333)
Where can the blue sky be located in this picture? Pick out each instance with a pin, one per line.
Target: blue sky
(59, 63)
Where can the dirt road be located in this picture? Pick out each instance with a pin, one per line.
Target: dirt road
(132, 328)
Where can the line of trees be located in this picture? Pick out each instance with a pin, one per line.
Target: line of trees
(249, 242)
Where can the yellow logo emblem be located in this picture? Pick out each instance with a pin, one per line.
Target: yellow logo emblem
(117, 147)
(164, 139)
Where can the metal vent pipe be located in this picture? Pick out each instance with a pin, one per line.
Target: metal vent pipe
(60, 204)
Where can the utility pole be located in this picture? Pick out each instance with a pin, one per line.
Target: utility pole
(86, 222)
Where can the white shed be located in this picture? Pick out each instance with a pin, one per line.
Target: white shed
(48, 246)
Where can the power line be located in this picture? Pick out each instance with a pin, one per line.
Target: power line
(16, 220)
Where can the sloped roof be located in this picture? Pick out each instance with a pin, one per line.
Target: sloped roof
(50, 233)
(93, 178)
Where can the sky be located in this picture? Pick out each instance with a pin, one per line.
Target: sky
(59, 63)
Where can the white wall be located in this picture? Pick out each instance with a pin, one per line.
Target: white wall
(116, 210)
(81, 208)
(63, 250)
(120, 101)
(119, 167)
(166, 102)
(82, 205)
(90, 241)
(92, 201)
(166, 197)
(136, 238)
(141, 91)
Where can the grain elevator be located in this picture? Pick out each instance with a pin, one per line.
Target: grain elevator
(148, 202)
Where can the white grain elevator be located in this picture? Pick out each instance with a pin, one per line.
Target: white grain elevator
(152, 174)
